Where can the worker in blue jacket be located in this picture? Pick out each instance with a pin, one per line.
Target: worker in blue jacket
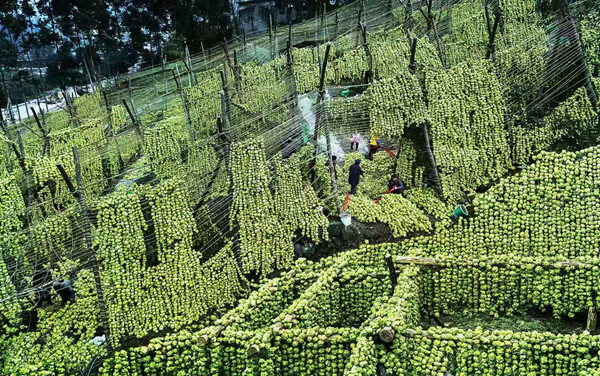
(354, 177)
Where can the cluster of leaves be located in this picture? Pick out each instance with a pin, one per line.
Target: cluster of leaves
(162, 149)
(90, 133)
(12, 208)
(402, 216)
(10, 308)
(264, 87)
(406, 160)
(571, 118)
(391, 53)
(467, 128)
(508, 285)
(118, 118)
(590, 38)
(202, 162)
(204, 102)
(468, 37)
(61, 344)
(52, 236)
(296, 203)
(144, 298)
(395, 104)
(350, 67)
(427, 200)
(399, 312)
(306, 68)
(89, 106)
(447, 350)
(264, 243)
(340, 297)
(346, 113)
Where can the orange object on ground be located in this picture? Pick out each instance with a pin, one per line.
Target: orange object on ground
(346, 201)
(390, 191)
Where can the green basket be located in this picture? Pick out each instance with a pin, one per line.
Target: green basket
(460, 211)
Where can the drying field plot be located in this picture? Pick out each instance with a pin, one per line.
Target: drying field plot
(177, 202)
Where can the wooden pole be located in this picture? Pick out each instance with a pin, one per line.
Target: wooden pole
(134, 120)
(44, 133)
(392, 270)
(592, 318)
(431, 156)
(479, 263)
(581, 59)
(492, 45)
(185, 107)
(413, 50)
(318, 122)
(87, 228)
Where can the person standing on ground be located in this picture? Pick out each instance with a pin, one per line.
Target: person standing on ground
(354, 177)
(334, 163)
(354, 140)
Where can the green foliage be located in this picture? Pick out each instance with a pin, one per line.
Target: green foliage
(202, 162)
(163, 149)
(401, 215)
(118, 117)
(508, 284)
(590, 38)
(264, 243)
(395, 104)
(427, 200)
(296, 203)
(391, 53)
(467, 128)
(496, 352)
(12, 209)
(61, 344)
(89, 106)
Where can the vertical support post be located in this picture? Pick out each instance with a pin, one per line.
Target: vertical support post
(369, 72)
(337, 24)
(434, 168)
(492, 45)
(25, 104)
(87, 69)
(319, 57)
(185, 107)
(413, 69)
(271, 36)
(318, 122)
(392, 270)
(413, 50)
(44, 133)
(87, 229)
(190, 68)
(586, 71)
(204, 56)
(592, 319)
(108, 109)
(134, 120)
(226, 100)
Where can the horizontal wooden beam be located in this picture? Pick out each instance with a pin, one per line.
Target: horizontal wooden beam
(441, 263)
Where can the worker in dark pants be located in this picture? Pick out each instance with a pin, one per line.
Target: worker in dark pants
(354, 177)
(65, 291)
